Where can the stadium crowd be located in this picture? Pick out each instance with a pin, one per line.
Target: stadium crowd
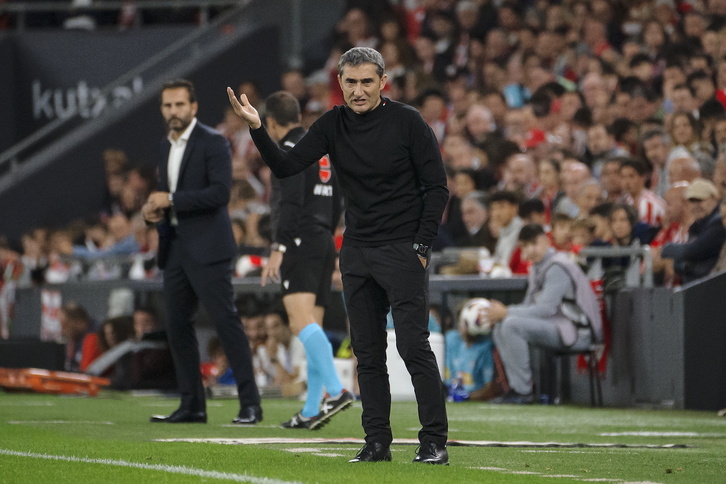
(603, 120)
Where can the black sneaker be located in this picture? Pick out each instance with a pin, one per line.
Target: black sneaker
(430, 453)
(330, 407)
(297, 422)
(374, 452)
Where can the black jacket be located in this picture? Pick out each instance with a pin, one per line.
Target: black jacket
(695, 258)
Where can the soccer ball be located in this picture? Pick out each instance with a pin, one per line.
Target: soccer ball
(472, 315)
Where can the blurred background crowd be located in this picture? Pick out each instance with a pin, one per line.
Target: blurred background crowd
(604, 120)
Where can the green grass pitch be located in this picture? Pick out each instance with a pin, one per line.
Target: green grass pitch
(107, 439)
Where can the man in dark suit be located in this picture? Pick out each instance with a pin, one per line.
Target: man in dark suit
(196, 252)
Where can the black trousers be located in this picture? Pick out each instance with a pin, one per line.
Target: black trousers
(186, 283)
(374, 280)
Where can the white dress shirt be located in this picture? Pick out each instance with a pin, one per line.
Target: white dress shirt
(176, 153)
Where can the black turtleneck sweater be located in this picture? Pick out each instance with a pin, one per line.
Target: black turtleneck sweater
(388, 165)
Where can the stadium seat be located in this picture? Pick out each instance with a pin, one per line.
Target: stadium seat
(556, 369)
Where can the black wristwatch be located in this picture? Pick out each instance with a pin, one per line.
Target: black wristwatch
(421, 249)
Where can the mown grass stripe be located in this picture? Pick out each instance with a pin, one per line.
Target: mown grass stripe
(189, 471)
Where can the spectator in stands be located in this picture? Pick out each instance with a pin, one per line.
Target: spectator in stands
(583, 232)
(627, 229)
(79, 335)
(611, 180)
(282, 357)
(649, 206)
(721, 261)
(34, 258)
(600, 218)
(60, 268)
(600, 146)
(520, 176)
(221, 373)
(683, 168)
(589, 196)
(145, 321)
(719, 175)
(293, 81)
(533, 211)
(677, 220)
(469, 361)
(116, 330)
(540, 320)
(561, 234)
(656, 146)
(475, 216)
(505, 224)
(684, 131)
(574, 174)
(119, 240)
(696, 257)
(549, 182)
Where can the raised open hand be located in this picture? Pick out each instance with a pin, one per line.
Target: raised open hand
(244, 109)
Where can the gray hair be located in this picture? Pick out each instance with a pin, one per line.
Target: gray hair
(476, 196)
(362, 55)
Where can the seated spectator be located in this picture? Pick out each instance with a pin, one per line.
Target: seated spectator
(520, 176)
(79, 335)
(611, 180)
(600, 218)
(583, 232)
(475, 215)
(145, 321)
(252, 317)
(282, 357)
(505, 224)
(574, 174)
(546, 317)
(720, 265)
(549, 182)
(625, 228)
(649, 206)
(469, 361)
(141, 361)
(561, 234)
(683, 168)
(115, 331)
(60, 268)
(589, 195)
(695, 259)
(678, 219)
(221, 373)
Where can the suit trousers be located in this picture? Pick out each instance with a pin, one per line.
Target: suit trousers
(513, 337)
(186, 284)
(374, 280)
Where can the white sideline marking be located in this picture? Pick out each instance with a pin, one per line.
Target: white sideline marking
(661, 434)
(20, 422)
(188, 471)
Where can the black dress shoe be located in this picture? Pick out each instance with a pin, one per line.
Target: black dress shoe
(430, 453)
(249, 415)
(374, 452)
(181, 416)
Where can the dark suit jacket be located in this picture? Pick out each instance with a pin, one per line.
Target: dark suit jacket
(201, 198)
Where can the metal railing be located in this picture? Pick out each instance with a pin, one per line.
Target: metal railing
(634, 276)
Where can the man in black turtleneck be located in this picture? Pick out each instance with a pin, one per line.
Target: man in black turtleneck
(391, 175)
